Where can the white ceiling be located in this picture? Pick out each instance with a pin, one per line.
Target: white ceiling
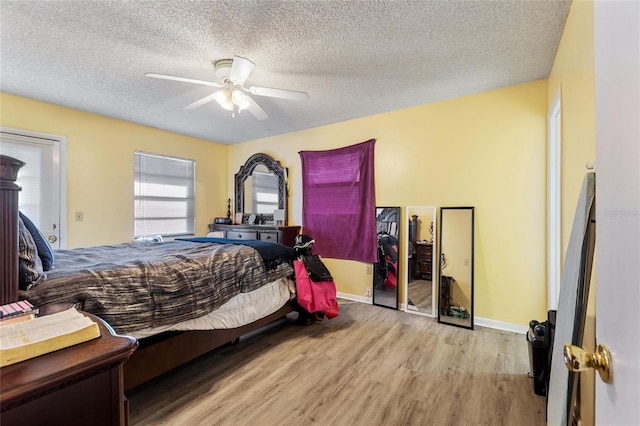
(354, 58)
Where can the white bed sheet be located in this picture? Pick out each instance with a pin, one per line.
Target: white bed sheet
(243, 309)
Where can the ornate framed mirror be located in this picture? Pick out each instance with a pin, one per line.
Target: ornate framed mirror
(455, 305)
(261, 191)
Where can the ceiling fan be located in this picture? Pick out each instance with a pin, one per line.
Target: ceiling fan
(233, 73)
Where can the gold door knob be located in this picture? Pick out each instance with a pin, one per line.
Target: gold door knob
(52, 239)
(577, 359)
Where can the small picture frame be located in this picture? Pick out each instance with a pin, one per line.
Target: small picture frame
(238, 220)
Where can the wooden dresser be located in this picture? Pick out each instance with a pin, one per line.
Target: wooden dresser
(280, 234)
(80, 385)
(423, 264)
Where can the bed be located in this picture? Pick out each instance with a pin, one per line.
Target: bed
(183, 298)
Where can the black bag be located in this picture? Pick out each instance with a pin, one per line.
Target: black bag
(316, 269)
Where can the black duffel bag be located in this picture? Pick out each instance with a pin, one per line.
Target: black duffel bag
(316, 269)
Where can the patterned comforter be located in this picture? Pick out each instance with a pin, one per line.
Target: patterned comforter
(141, 285)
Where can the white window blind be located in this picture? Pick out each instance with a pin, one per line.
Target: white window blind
(265, 192)
(164, 195)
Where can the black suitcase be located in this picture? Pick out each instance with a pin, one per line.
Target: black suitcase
(538, 342)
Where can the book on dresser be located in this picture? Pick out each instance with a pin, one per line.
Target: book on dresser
(22, 310)
(23, 340)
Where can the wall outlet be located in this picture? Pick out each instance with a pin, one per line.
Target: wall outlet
(367, 292)
(79, 216)
(369, 270)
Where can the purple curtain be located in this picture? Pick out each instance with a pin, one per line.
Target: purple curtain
(338, 201)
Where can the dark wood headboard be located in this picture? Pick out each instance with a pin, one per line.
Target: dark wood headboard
(9, 168)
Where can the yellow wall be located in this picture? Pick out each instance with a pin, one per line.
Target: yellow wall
(100, 167)
(573, 75)
(486, 150)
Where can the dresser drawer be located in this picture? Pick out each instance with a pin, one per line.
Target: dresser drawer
(269, 236)
(285, 235)
(242, 235)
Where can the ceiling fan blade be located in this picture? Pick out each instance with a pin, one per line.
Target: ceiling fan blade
(202, 101)
(182, 79)
(255, 109)
(240, 70)
(279, 93)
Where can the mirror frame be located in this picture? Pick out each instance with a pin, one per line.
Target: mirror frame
(409, 212)
(440, 275)
(246, 171)
(386, 213)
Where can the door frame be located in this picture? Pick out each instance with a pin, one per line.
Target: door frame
(61, 143)
(554, 185)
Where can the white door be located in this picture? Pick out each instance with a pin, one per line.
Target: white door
(42, 180)
(617, 264)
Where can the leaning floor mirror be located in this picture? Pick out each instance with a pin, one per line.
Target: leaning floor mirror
(385, 271)
(455, 301)
(419, 260)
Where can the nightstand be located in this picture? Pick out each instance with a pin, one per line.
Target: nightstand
(81, 384)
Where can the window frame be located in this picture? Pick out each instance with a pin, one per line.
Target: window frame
(190, 197)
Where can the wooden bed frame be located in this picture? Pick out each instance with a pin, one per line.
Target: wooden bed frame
(155, 355)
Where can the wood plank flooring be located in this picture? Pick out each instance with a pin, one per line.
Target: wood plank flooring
(420, 296)
(369, 366)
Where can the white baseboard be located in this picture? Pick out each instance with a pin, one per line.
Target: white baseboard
(501, 325)
(355, 298)
(482, 322)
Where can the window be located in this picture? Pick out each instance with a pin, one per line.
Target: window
(164, 195)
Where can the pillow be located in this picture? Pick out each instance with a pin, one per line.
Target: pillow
(44, 249)
(30, 270)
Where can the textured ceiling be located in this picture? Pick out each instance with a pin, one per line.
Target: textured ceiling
(354, 58)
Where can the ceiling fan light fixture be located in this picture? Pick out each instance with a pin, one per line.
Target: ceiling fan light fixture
(240, 99)
(222, 68)
(223, 97)
(232, 74)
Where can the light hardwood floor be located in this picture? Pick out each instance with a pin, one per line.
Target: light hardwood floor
(369, 366)
(420, 296)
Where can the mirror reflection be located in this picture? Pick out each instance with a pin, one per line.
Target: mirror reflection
(386, 270)
(419, 288)
(456, 266)
(261, 192)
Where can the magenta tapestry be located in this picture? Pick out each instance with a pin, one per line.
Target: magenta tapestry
(338, 201)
